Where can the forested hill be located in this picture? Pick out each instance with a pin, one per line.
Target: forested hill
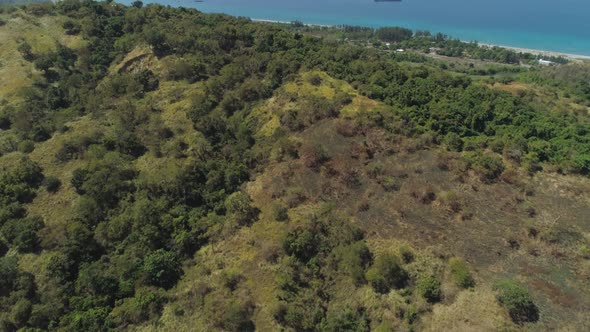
(162, 169)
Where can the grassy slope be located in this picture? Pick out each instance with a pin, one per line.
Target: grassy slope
(42, 33)
(492, 218)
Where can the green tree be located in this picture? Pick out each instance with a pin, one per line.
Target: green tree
(239, 207)
(386, 273)
(162, 269)
(460, 273)
(429, 288)
(517, 301)
(8, 274)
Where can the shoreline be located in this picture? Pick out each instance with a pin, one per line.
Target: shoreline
(540, 52)
(569, 56)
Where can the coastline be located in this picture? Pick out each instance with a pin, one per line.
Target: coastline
(569, 56)
(540, 52)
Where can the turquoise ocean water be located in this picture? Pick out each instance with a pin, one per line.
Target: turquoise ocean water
(557, 25)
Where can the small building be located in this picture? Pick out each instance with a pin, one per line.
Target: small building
(543, 62)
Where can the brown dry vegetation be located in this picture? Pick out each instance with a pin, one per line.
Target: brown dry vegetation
(440, 211)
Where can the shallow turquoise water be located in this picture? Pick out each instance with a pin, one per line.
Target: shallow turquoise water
(562, 25)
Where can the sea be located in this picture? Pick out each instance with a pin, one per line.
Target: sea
(552, 25)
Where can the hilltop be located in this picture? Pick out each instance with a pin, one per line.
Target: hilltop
(168, 170)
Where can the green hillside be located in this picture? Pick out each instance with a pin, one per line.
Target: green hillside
(162, 169)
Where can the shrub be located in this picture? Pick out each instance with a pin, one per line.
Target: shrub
(231, 279)
(26, 51)
(294, 197)
(497, 145)
(406, 254)
(487, 166)
(375, 169)
(517, 301)
(22, 233)
(52, 184)
(429, 288)
(3, 248)
(79, 176)
(474, 143)
(386, 273)
(460, 273)
(236, 317)
(71, 28)
(26, 146)
(315, 80)
(314, 156)
(8, 274)
(5, 122)
(453, 142)
(352, 178)
(348, 320)
(21, 312)
(94, 319)
(452, 201)
(389, 183)
(353, 260)
(411, 314)
(239, 207)
(301, 243)
(162, 268)
(377, 281)
(146, 304)
(280, 212)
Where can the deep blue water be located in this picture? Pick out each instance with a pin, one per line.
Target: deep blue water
(555, 25)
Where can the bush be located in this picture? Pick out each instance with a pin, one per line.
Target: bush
(71, 28)
(314, 156)
(5, 122)
(315, 80)
(453, 142)
(488, 166)
(26, 51)
(26, 146)
(21, 312)
(301, 243)
(389, 183)
(236, 317)
(406, 254)
(79, 176)
(239, 207)
(52, 184)
(162, 269)
(517, 301)
(460, 273)
(354, 260)
(375, 169)
(8, 274)
(280, 212)
(348, 320)
(386, 273)
(429, 288)
(452, 201)
(231, 279)
(146, 304)
(22, 233)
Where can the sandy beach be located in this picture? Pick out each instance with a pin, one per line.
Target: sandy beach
(541, 52)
